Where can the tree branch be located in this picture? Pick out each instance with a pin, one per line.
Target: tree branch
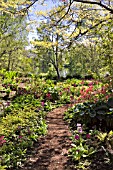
(96, 3)
(30, 5)
(65, 13)
(85, 32)
(23, 10)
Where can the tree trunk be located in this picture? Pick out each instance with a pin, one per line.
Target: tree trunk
(58, 74)
(57, 62)
(9, 63)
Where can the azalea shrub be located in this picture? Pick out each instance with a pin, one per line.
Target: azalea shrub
(79, 91)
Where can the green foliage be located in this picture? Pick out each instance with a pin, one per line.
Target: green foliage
(22, 102)
(23, 119)
(20, 129)
(82, 146)
(91, 114)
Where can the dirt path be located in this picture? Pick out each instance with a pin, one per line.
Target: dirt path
(50, 152)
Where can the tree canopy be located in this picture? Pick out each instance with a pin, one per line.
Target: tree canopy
(69, 36)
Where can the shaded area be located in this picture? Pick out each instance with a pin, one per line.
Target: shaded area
(100, 161)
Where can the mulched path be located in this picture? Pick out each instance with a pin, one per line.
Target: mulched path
(51, 151)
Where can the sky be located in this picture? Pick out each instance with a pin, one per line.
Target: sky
(48, 5)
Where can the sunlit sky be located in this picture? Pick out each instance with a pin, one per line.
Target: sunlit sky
(32, 16)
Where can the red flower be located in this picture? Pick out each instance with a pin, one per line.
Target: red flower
(48, 95)
(89, 89)
(81, 91)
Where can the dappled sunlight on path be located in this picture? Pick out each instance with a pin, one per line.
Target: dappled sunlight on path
(51, 151)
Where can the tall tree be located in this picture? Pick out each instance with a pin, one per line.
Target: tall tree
(13, 39)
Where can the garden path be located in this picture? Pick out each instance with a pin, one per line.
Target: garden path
(51, 151)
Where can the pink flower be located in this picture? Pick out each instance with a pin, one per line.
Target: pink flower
(42, 103)
(77, 137)
(71, 97)
(88, 136)
(2, 140)
(60, 93)
(28, 130)
(79, 129)
(82, 82)
(107, 97)
(74, 85)
(8, 104)
(20, 137)
(90, 84)
(19, 127)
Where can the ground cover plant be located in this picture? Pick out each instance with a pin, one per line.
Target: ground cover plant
(90, 121)
(23, 122)
(23, 117)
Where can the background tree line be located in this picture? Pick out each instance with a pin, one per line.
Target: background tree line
(75, 38)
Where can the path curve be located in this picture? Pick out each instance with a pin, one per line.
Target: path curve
(51, 151)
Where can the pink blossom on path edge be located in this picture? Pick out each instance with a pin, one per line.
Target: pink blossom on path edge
(77, 137)
(88, 136)
(1, 138)
(20, 137)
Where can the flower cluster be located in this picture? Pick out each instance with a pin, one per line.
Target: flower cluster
(93, 94)
(2, 140)
(80, 132)
(80, 147)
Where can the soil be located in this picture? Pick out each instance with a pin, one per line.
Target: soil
(51, 151)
